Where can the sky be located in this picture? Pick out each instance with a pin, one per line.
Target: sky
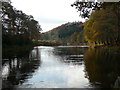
(49, 13)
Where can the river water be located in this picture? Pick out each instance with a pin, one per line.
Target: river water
(61, 67)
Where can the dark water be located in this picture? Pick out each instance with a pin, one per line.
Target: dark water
(61, 67)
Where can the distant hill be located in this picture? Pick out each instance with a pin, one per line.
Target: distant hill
(65, 33)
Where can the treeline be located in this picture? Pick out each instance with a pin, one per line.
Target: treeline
(17, 27)
(103, 25)
(46, 43)
(69, 33)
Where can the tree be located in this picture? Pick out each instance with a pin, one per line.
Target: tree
(103, 21)
(102, 27)
(85, 8)
(63, 33)
(77, 38)
(17, 27)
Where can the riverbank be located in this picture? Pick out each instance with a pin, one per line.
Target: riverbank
(11, 52)
(107, 46)
(46, 43)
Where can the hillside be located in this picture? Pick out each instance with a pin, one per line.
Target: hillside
(65, 33)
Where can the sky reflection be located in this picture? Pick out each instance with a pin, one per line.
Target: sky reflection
(53, 73)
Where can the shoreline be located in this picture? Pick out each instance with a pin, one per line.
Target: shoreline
(107, 46)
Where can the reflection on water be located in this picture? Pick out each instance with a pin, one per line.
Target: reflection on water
(55, 73)
(62, 67)
(71, 54)
(103, 67)
(19, 66)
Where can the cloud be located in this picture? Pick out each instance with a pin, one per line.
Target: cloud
(48, 12)
(51, 20)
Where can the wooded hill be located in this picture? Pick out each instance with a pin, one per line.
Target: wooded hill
(69, 33)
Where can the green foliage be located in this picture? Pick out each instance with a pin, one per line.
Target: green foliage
(46, 43)
(85, 8)
(77, 38)
(63, 33)
(102, 27)
(17, 27)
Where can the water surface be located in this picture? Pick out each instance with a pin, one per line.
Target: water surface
(62, 67)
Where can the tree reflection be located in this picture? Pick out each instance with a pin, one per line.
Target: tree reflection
(71, 55)
(20, 64)
(102, 66)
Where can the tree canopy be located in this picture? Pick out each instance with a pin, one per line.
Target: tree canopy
(65, 33)
(102, 26)
(86, 8)
(17, 27)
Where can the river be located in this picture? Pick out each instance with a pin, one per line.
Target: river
(61, 67)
